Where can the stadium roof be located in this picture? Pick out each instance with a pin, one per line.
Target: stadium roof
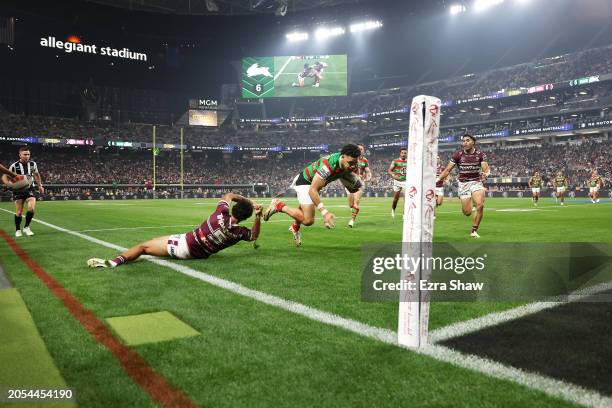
(224, 7)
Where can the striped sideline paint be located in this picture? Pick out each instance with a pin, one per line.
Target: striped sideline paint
(550, 386)
(151, 382)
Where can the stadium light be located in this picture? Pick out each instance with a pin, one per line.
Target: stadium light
(456, 9)
(297, 36)
(480, 5)
(366, 25)
(325, 32)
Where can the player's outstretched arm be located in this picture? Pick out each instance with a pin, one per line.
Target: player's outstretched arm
(446, 171)
(485, 170)
(257, 223)
(229, 197)
(5, 171)
(317, 185)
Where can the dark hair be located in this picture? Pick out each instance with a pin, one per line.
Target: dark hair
(24, 149)
(403, 148)
(242, 210)
(470, 136)
(351, 150)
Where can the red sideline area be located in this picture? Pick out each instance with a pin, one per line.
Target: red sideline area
(133, 363)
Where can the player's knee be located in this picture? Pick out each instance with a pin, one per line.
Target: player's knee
(308, 222)
(467, 212)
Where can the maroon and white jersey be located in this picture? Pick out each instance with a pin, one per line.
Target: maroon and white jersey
(216, 233)
(469, 164)
(439, 170)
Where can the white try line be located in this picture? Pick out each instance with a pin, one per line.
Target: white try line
(550, 386)
(280, 71)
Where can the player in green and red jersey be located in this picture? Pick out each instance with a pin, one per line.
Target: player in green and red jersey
(560, 182)
(308, 184)
(595, 183)
(364, 172)
(535, 184)
(397, 171)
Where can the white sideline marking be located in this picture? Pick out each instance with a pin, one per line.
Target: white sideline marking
(283, 68)
(493, 319)
(552, 387)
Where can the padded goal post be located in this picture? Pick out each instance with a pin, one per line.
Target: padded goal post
(419, 206)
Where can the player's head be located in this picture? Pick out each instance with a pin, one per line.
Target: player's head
(559, 173)
(361, 147)
(594, 172)
(537, 174)
(24, 153)
(306, 66)
(469, 141)
(403, 153)
(349, 158)
(242, 210)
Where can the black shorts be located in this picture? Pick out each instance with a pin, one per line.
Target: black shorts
(24, 194)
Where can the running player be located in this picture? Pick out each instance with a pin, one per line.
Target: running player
(364, 172)
(439, 186)
(473, 170)
(25, 167)
(311, 181)
(217, 232)
(595, 183)
(397, 171)
(307, 72)
(318, 72)
(535, 183)
(560, 182)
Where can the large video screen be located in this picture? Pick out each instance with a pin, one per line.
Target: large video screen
(293, 76)
(202, 117)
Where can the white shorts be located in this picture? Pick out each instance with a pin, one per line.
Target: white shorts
(593, 189)
(302, 192)
(535, 190)
(398, 185)
(440, 191)
(177, 247)
(466, 189)
(560, 189)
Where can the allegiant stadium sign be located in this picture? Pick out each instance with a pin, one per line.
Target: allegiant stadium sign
(73, 44)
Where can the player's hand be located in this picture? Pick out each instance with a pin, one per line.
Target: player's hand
(258, 209)
(41, 189)
(328, 220)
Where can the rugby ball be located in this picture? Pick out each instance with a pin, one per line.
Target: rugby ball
(20, 183)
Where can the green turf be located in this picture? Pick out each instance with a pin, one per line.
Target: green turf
(26, 363)
(250, 354)
(150, 328)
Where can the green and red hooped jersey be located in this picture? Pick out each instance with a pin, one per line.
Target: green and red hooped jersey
(536, 182)
(328, 167)
(399, 168)
(363, 165)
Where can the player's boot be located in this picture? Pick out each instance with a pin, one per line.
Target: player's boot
(597, 200)
(28, 231)
(18, 233)
(474, 234)
(98, 263)
(276, 205)
(351, 223)
(392, 213)
(297, 237)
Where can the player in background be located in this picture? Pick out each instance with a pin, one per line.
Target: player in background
(439, 186)
(560, 182)
(535, 184)
(397, 171)
(308, 184)
(318, 72)
(595, 183)
(364, 172)
(219, 231)
(307, 72)
(25, 167)
(473, 170)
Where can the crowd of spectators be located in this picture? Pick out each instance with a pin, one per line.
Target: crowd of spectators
(110, 166)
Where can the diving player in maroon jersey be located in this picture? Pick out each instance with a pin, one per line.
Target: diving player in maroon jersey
(473, 170)
(217, 232)
(364, 172)
(307, 72)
